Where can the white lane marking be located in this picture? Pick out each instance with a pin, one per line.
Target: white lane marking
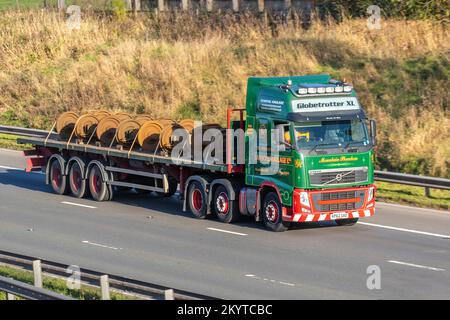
(270, 280)
(226, 231)
(428, 210)
(78, 205)
(19, 169)
(100, 245)
(406, 230)
(416, 265)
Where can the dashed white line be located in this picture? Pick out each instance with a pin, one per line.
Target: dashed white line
(416, 265)
(270, 280)
(405, 230)
(78, 205)
(226, 231)
(100, 245)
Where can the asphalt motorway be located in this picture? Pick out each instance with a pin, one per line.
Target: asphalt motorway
(151, 239)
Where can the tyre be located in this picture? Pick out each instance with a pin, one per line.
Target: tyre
(58, 180)
(76, 182)
(225, 209)
(346, 222)
(99, 188)
(197, 200)
(272, 213)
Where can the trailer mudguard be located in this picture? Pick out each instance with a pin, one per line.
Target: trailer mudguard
(204, 182)
(101, 166)
(80, 162)
(62, 163)
(105, 176)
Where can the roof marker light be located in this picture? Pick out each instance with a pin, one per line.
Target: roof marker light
(348, 88)
(302, 91)
(312, 90)
(338, 89)
(329, 89)
(321, 90)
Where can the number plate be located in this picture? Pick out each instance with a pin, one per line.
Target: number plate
(339, 215)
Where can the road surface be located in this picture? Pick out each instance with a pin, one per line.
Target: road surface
(151, 239)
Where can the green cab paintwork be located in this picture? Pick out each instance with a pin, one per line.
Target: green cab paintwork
(267, 104)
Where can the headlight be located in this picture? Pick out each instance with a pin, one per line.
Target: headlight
(370, 194)
(304, 199)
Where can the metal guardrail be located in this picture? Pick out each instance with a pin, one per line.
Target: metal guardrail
(26, 132)
(27, 291)
(138, 288)
(413, 180)
(393, 177)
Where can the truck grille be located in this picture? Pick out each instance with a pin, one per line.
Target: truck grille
(356, 200)
(337, 176)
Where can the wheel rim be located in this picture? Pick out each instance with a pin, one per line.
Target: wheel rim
(197, 200)
(272, 212)
(222, 203)
(75, 179)
(56, 177)
(96, 182)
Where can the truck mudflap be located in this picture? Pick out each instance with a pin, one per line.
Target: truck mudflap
(331, 204)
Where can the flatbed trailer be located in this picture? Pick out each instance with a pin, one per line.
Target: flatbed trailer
(324, 165)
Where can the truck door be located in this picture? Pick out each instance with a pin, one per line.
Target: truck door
(257, 150)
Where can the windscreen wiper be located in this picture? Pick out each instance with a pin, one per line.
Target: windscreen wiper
(321, 144)
(351, 142)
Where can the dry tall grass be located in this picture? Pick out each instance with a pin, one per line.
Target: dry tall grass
(182, 65)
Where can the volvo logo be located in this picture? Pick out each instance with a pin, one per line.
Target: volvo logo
(339, 177)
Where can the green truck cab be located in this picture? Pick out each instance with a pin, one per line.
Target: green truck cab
(314, 151)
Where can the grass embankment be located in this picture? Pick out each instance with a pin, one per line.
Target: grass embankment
(414, 196)
(10, 142)
(57, 285)
(195, 66)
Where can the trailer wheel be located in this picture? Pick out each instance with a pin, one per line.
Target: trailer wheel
(197, 200)
(99, 188)
(346, 222)
(272, 213)
(76, 182)
(57, 179)
(226, 210)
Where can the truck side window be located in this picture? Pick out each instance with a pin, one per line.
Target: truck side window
(284, 136)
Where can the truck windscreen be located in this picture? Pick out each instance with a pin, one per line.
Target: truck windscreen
(331, 134)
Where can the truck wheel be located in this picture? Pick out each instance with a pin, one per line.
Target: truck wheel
(197, 200)
(76, 182)
(57, 179)
(99, 189)
(346, 222)
(272, 213)
(226, 210)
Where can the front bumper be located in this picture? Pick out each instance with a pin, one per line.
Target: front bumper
(309, 206)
